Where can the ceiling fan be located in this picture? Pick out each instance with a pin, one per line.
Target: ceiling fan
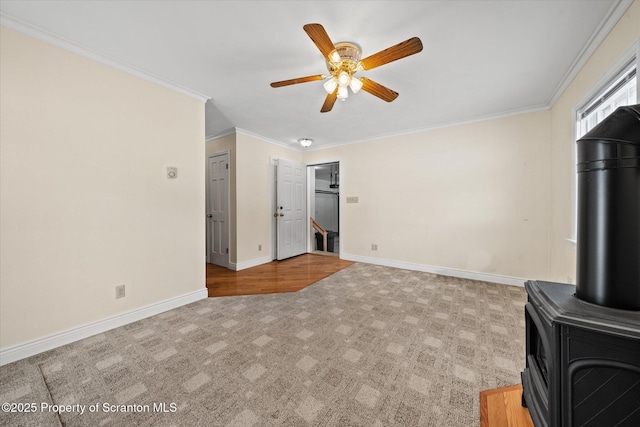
(343, 61)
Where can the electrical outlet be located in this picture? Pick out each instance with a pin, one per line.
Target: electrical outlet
(352, 200)
(120, 291)
(374, 247)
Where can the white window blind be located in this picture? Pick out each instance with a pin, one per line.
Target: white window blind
(623, 91)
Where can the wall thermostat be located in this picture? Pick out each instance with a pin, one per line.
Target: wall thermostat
(172, 173)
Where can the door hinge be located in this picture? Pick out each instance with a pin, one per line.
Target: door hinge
(227, 250)
(227, 165)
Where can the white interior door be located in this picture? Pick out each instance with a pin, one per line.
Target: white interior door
(218, 210)
(291, 208)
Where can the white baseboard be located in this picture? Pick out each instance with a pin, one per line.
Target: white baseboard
(464, 274)
(251, 263)
(33, 347)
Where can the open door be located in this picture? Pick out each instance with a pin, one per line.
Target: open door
(291, 208)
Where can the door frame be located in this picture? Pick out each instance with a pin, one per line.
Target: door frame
(274, 208)
(207, 201)
(272, 193)
(340, 200)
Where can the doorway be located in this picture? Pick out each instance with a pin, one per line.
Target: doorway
(324, 202)
(218, 209)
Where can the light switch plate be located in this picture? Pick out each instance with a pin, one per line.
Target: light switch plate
(352, 200)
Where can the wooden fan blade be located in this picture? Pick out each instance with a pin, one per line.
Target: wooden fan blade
(298, 80)
(329, 101)
(320, 37)
(393, 53)
(378, 90)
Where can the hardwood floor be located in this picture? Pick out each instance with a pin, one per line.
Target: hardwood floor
(502, 407)
(289, 275)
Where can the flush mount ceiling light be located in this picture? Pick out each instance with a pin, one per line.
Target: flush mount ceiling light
(343, 61)
(305, 142)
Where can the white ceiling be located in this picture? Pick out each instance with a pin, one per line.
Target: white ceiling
(481, 59)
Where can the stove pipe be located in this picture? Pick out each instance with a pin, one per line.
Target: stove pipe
(608, 241)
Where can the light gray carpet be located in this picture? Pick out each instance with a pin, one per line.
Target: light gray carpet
(367, 346)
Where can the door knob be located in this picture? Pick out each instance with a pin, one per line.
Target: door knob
(209, 216)
(275, 215)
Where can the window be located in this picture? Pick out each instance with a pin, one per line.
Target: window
(623, 91)
(620, 89)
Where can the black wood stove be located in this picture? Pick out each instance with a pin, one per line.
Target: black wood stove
(583, 341)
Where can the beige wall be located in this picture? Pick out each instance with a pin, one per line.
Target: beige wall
(251, 186)
(619, 40)
(472, 197)
(85, 202)
(254, 190)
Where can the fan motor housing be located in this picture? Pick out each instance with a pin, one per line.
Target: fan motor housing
(349, 57)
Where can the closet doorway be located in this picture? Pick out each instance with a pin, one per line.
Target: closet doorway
(324, 207)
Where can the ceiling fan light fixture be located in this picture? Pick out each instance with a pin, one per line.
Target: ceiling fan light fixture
(343, 78)
(305, 142)
(343, 93)
(356, 84)
(331, 85)
(343, 60)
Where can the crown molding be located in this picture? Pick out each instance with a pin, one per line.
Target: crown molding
(615, 12)
(430, 128)
(245, 132)
(268, 140)
(413, 131)
(51, 38)
(263, 138)
(220, 134)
